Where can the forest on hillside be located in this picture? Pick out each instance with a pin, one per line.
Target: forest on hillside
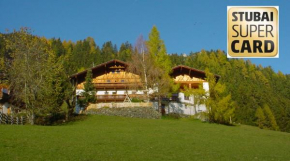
(261, 95)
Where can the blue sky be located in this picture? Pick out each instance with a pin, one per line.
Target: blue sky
(184, 25)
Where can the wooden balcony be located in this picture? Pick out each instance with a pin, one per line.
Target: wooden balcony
(118, 97)
(117, 85)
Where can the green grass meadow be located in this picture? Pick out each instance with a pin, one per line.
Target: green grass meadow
(117, 138)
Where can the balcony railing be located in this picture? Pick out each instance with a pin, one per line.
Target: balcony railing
(116, 85)
(118, 97)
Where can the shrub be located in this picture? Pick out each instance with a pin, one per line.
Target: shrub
(136, 100)
(50, 119)
(172, 116)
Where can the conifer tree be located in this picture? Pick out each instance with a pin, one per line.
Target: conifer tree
(161, 64)
(89, 94)
(89, 86)
(260, 117)
(270, 118)
(219, 104)
(125, 52)
(157, 50)
(58, 89)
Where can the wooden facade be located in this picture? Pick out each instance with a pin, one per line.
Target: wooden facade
(115, 79)
(189, 77)
(112, 81)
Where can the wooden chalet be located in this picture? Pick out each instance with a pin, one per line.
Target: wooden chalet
(112, 82)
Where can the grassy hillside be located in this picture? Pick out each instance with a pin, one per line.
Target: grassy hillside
(117, 138)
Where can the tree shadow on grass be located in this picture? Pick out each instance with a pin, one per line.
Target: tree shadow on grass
(75, 118)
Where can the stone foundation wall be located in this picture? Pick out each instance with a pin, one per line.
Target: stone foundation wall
(136, 112)
(119, 105)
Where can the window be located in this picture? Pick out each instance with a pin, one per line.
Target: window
(174, 97)
(122, 81)
(118, 72)
(174, 94)
(186, 97)
(108, 81)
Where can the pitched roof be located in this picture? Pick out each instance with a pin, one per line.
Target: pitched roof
(97, 70)
(98, 66)
(190, 71)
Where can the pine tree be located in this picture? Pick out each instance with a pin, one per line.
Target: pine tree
(219, 104)
(161, 64)
(89, 86)
(58, 89)
(108, 51)
(270, 118)
(89, 94)
(260, 118)
(157, 50)
(125, 52)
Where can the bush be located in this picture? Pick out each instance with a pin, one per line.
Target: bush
(20, 114)
(136, 100)
(50, 119)
(172, 116)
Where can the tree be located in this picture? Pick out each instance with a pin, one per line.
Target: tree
(57, 47)
(157, 51)
(58, 89)
(108, 51)
(125, 52)
(4, 57)
(270, 121)
(140, 57)
(89, 86)
(27, 74)
(152, 72)
(89, 94)
(36, 78)
(219, 104)
(161, 67)
(260, 118)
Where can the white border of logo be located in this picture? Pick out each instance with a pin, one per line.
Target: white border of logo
(229, 56)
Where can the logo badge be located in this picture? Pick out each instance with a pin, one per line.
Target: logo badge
(253, 32)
